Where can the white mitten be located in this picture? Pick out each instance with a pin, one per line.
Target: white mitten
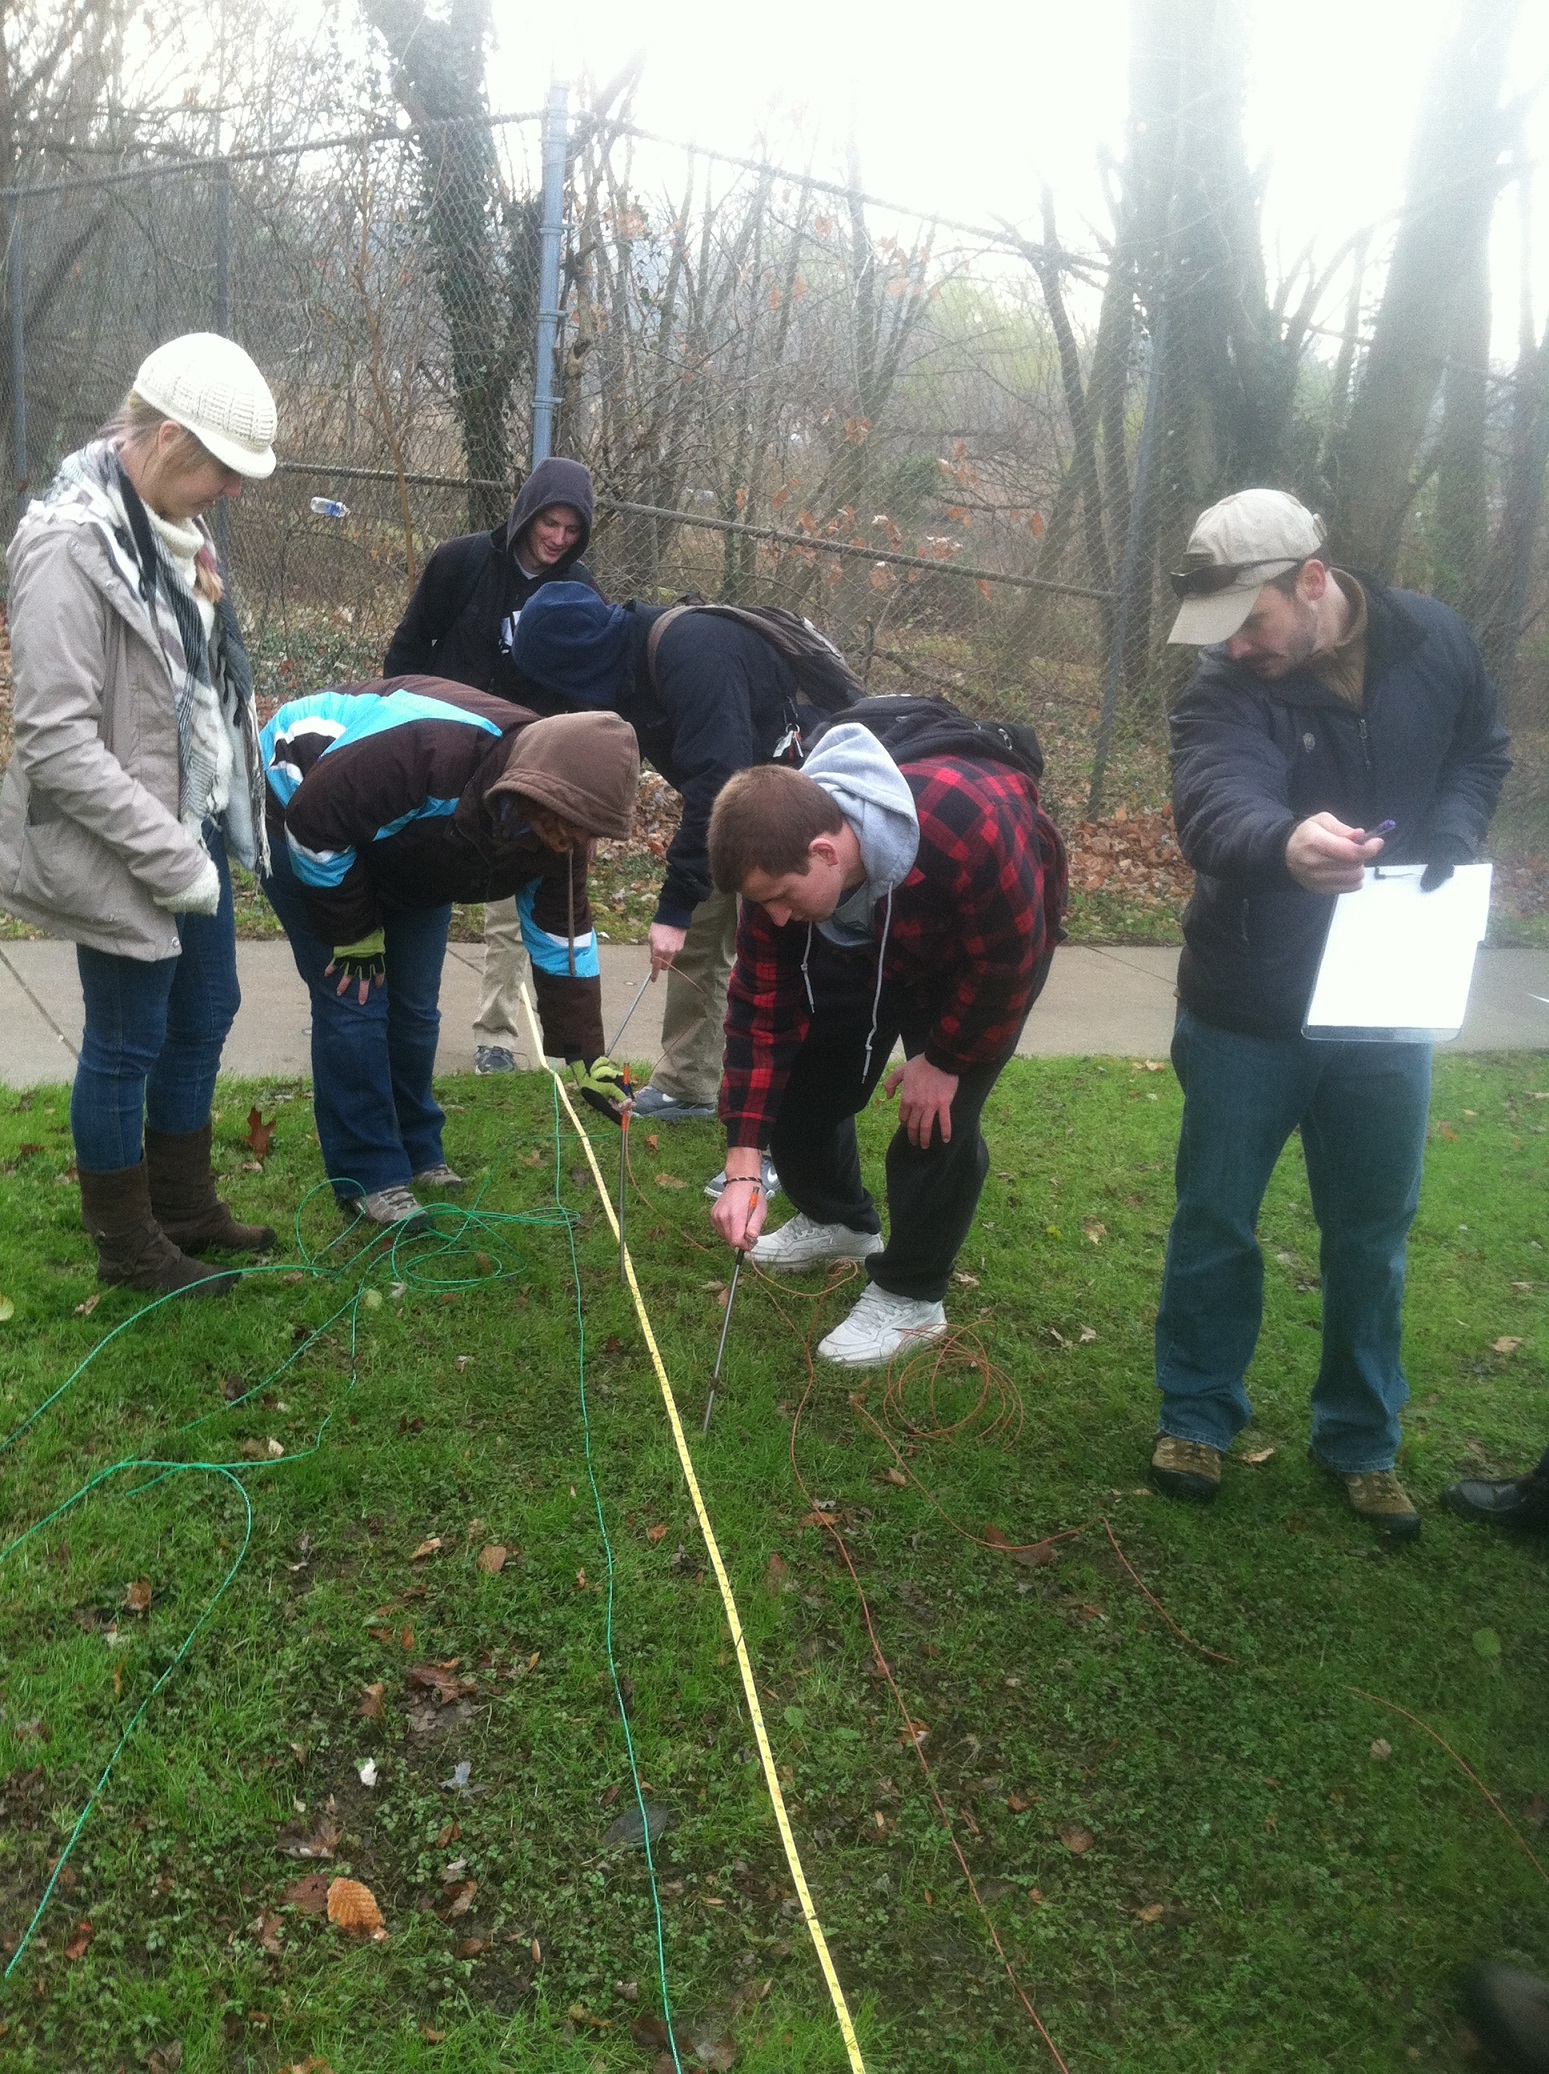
(203, 897)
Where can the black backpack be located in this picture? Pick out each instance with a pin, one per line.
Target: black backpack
(823, 678)
(912, 729)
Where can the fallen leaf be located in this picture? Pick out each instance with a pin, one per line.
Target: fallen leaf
(426, 1548)
(472, 1946)
(1151, 1913)
(895, 1477)
(165, 2059)
(76, 1948)
(137, 1599)
(915, 1733)
(274, 1449)
(1382, 1750)
(371, 1707)
(462, 1899)
(1076, 1839)
(968, 1281)
(1254, 1456)
(7, 1310)
(580, 1580)
(295, 1841)
(669, 1181)
(649, 2032)
(1088, 1335)
(1038, 1556)
(657, 1533)
(1017, 1804)
(84, 1310)
(630, 1828)
(270, 1932)
(1095, 1230)
(308, 1894)
(352, 1907)
(440, 1680)
(1505, 1344)
(492, 1559)
(259, 1134)
(432, 2037)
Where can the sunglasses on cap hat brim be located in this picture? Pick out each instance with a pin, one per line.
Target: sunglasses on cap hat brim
(1208, 579)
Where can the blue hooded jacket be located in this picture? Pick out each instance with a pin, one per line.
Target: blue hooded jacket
(576, 645)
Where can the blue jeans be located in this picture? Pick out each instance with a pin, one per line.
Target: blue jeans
(377, 1120)
(153, 1035)
(1362, 1110)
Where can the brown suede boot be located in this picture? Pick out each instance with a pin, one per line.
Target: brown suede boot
(183, 1198)
(133, 1252)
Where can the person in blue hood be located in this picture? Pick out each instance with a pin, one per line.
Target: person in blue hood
(459, 626)
(712, 698)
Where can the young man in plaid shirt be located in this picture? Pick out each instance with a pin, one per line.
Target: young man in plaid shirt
(881, 902)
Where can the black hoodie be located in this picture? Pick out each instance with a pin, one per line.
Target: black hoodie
(458, 622)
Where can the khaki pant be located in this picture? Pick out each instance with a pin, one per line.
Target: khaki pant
(505, 968)
(693, 1036)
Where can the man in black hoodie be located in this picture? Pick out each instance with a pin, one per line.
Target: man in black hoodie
(460, 625)
(1324, 706)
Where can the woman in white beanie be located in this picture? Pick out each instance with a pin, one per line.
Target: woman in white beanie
(135, 770)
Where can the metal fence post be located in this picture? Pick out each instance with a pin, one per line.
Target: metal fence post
(222, 318)
(556, 138)
(1139, 503)
(16, 291)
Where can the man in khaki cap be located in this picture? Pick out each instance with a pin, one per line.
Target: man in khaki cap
(1330, 721)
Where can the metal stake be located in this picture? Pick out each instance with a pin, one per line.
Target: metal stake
(618, 1034)
(715, 1373)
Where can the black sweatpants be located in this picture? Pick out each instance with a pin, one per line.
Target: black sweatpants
(931, 1195)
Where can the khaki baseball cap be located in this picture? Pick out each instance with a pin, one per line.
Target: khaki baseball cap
(1236, 547)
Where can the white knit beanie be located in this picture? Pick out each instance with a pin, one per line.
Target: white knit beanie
(208, 385)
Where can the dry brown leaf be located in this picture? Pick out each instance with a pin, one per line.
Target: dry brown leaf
(1095, 1230)
(492, 1558)
(915, 1733)
(259, 1134)
(968, 1281)
(137, 1599)
(1017, 1804)
(426, 1548)
(777, 1576)
(167, 2059)
(669, 1181)
(462, 1900)
(1505, 1344)
(295, 1842)
(309, 1894)
(270, 1932)
(1382, 1750)
(84, 1310)
(649, 2032)
(657, 1533)
(77, 1947)
(1076, 1839)
(371, 1699)
(1036, 1557)
(352, 1907)
(1151, 1913)
(1254, 1456)
(895, 1477)
(439, 1679)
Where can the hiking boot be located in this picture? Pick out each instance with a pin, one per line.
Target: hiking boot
(439, 1176)
(769, 1179)
(1378, 1496)
(879, 1326)
(660, 1107)
(183, 1198)
(133, 1252)
(1187, 1469)
(493, 1058)
(1520, 1502)
(389, 1207)
(1509, 2013)
(802, 1243)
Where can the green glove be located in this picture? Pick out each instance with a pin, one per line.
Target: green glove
(365, 961)
(604, 1085)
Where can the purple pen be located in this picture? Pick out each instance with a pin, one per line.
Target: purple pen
(1384, 828)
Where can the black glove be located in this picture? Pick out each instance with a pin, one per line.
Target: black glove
(604, 1085)
(1443, 855)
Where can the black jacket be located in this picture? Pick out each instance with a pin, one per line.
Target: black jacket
(457, 625)
(722, 699)
(1250, 759)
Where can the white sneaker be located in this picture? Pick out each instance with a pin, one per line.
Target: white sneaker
(879, 1325)
(801, 1243)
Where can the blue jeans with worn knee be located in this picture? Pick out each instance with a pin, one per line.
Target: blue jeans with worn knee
(1362, 1111)
(377, 1118)
(153, 1034)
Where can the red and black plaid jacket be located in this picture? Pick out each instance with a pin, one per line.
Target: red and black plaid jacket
(970, 926)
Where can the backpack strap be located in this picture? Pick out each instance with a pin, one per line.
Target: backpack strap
(659, 626)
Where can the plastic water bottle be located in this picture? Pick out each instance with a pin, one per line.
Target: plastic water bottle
(329, 507)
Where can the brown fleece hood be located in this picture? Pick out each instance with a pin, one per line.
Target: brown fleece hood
(585, 767)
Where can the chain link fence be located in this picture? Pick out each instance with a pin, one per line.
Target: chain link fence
(787, 391)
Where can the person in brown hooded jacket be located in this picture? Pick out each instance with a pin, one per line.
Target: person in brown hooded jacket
(387, 802)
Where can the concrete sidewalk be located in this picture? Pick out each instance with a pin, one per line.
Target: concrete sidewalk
(1117, 1001)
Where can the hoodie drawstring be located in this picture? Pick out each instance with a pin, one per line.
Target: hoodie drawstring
(570, 903)
(876, 999)
(806, 976)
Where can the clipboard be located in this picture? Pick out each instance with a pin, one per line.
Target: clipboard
(1397, 963)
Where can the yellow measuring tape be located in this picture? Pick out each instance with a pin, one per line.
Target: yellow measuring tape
(728, 1600)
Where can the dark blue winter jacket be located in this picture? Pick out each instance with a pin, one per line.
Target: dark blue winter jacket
(1250, 759)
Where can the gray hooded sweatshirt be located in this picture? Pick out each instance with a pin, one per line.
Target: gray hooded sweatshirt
(873, 795)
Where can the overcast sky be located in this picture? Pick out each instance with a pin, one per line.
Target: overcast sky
(967, 109)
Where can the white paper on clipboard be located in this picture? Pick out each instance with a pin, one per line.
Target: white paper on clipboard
(1398, 962)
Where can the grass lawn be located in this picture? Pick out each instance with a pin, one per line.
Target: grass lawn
(1191, 1866)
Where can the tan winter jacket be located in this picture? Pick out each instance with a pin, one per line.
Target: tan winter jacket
(89, 828)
